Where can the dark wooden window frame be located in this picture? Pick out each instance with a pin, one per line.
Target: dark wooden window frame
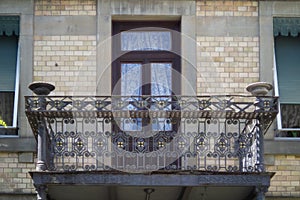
(146, 57)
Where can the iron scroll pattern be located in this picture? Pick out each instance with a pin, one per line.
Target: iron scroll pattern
(216, 133)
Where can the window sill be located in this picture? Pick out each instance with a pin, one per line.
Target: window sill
(286, 146)
(9, 131)
(17, 144)
(287, 139)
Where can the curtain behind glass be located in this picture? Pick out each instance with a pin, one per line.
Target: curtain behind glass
(131, 79)
(290, 115)
(161, 85)
(146, 41)
(131, 85)
(161, 77)
(160, 74)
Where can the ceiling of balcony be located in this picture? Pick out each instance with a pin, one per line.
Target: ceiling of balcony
(99, 192)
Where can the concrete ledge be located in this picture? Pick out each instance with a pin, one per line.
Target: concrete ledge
(274, 147)
(227, 26)
(18, 144)
(65, 25)
(12, 196)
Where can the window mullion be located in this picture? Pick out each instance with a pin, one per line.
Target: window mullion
(146, 77)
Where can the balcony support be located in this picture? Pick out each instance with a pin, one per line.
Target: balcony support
(42, 139)
(41, 192)
(42, 142)
(260, 89)
(42, 89)
(260, 192)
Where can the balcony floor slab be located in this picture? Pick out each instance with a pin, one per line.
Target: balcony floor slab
(181, 185)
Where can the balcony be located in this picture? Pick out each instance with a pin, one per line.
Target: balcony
(188, 145)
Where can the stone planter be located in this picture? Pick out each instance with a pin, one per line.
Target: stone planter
(259, 88)
(41, 88)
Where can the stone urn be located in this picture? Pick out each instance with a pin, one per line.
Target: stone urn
(41, 88)
(259, 88)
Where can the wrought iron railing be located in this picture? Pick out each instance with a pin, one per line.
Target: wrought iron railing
(148, 133)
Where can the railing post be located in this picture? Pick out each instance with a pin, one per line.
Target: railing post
(260, 166)
(41, 89)
(42, 147)
(259, 89)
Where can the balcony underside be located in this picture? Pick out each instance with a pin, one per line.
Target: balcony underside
(182, 185)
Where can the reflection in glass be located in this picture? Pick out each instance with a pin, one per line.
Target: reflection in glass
(146, 41)
(161, 79)
(290, 117)
(161, 85)
(131, 79)
(131, 82)
(161, 90)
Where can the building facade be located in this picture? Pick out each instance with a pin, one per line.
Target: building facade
(200, 48)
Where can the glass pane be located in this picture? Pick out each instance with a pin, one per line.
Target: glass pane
(161, 79)
(6, 108)
(131, 79)
(290, 114)
(131, 124)
(146, 41)
(161, 85)
(8, 58)
(288, 70)
(131, 85)
(290, 118)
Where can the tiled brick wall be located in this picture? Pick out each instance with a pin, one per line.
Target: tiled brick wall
(65, 7)
(227, 8)
(286, 182)
(14, 176)
(69, 62)
(226, 65)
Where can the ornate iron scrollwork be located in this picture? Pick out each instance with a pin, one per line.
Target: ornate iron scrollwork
(209, 133)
